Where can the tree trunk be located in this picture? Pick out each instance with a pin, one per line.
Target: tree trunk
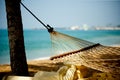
(16, 40)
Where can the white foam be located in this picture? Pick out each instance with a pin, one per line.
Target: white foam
(42, 58)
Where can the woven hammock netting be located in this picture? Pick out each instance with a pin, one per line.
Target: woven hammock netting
(62, 43)
(96, 56)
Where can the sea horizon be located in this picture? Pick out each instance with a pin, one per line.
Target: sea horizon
(38, 42)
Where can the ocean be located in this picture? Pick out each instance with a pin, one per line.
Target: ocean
(38, 42)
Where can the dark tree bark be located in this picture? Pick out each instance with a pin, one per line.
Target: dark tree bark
(16, 39)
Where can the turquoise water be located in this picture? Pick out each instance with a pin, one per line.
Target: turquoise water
(38, 43)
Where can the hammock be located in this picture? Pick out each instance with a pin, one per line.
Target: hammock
(63, 43)
(76, 51)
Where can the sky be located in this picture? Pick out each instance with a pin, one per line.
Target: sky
(67, 13)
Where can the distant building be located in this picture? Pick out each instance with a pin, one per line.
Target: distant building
(85, 27)
(106, 28)
(75, 28)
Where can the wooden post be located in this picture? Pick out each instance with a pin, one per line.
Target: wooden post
(16, 40)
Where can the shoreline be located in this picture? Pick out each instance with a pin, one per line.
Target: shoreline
(48, 57)
(41, 58)
(35, 65)
(29, 60)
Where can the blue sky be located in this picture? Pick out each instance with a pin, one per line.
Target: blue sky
(66, 13)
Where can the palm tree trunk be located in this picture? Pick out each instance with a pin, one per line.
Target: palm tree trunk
(16, 39)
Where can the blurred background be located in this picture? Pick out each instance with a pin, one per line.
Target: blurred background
(96, 21)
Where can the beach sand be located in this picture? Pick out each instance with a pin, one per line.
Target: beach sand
(33, 67)
(46, 65)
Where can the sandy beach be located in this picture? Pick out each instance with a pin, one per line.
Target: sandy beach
(33, 67)
(40, 64)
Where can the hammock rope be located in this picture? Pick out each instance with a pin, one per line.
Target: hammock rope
(48, 27)
(68, 42)
(81, 52)
(62, 43)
